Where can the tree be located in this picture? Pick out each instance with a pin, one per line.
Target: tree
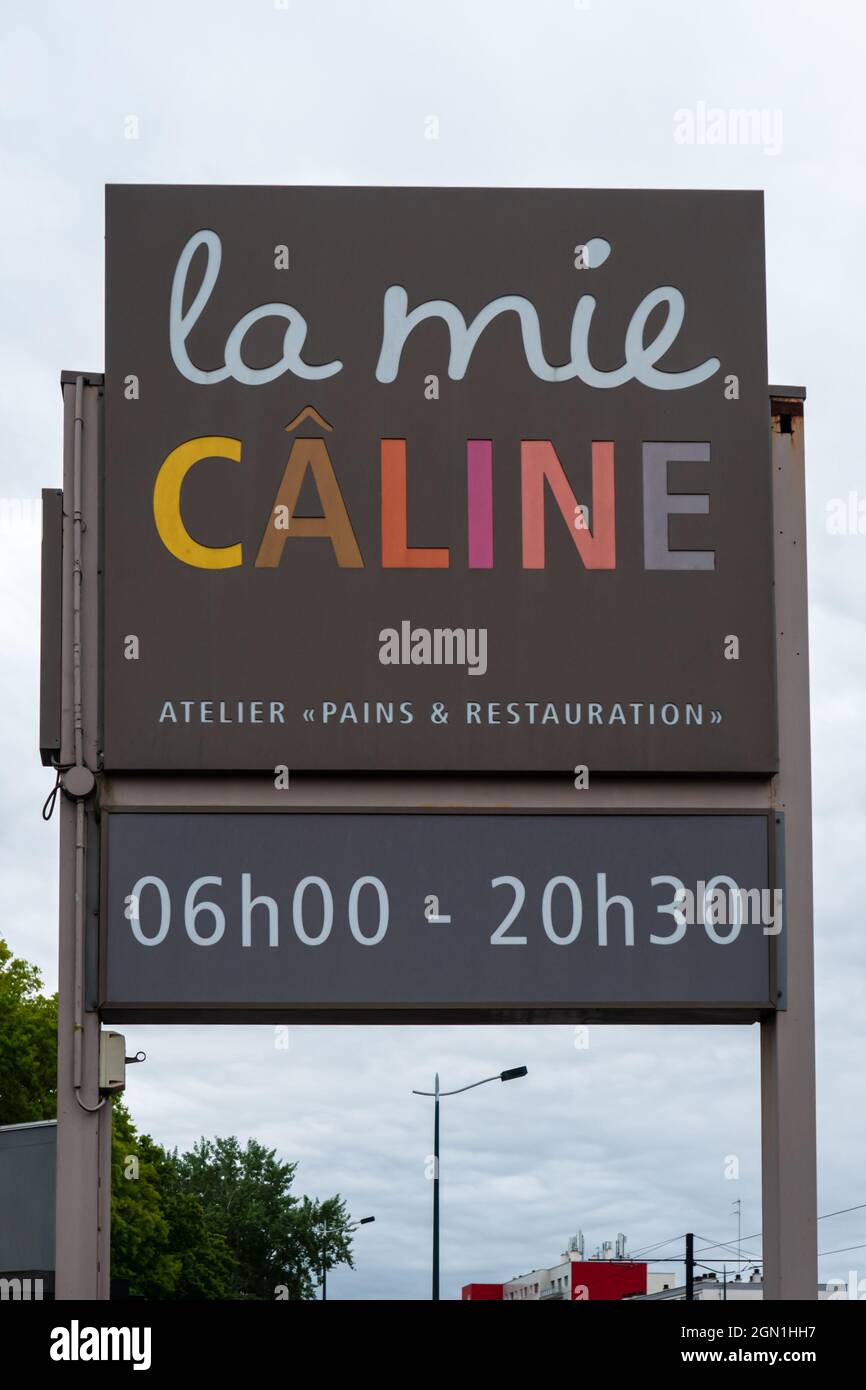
(218, 1222)
(278, 1241)
(328, 1241)
(161, 1243)
(28, 1043)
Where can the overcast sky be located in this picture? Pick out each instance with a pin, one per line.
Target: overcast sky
(631, 1134)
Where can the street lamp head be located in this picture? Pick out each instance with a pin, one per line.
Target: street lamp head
(512, 1074)
(365, 1220)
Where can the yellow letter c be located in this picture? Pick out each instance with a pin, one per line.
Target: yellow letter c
(166, 503)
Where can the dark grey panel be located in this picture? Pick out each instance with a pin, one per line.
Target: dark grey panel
(421, 966)
(52, 599)
(27, 1195)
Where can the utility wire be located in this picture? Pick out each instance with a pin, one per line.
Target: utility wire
(729, 1245)
(843, 1210)
(825, 1217)
(645, 1250)
(747, 1257)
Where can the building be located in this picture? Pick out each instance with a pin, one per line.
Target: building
(606, 1277)
(27, 1162)
(712, 1288)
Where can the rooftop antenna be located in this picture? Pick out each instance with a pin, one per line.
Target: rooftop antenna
(576, 1245)
(739, 1205)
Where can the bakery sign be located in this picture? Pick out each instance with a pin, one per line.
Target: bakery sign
(436, 479)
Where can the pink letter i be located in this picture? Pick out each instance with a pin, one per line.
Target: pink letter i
(479, 502)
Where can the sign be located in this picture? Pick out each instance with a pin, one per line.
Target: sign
(415, 917)
(447, 479)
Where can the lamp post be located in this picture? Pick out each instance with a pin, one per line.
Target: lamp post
(511, 1075)
(352, 1226)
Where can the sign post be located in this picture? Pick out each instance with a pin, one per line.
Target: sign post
(435, 582)
(83, 1211)
(788, 1122)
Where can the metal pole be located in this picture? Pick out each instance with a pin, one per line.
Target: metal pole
(690, 1268)
(82, 1233)
(789, 1183)
(436, 1190)
(509, 1075)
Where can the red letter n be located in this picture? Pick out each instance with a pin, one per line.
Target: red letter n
(539, 462)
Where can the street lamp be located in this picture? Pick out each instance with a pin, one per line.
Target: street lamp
(352, 1226)
(511, 1075)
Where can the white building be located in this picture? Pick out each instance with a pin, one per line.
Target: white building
(712, 1288)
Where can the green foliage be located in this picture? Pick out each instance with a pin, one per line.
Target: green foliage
(219, 1222)
(160, 1240)
(323, 1227)
(279, 1242)
(28, 1043)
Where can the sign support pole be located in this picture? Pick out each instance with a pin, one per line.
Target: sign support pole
(83, 1135)
(735, 765)
(82, 1246)
(789, 1186)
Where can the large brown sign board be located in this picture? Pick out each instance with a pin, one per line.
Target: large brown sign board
(437, 479)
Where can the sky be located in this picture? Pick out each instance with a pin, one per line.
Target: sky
(633, 1132)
